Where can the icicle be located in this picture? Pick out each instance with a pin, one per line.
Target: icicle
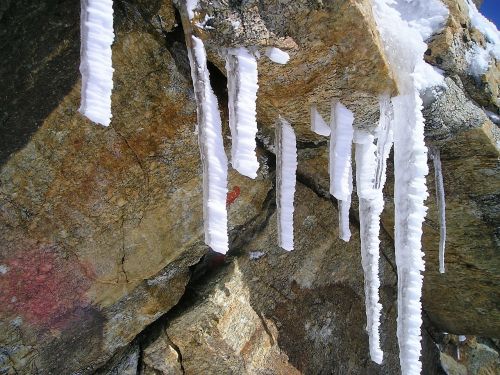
(213, 157)
(404, 48)
(340, 164)
(441, 203)
(371, 162)
(96, 24)
(242, 87)
(286, 166)
(318, 125)
(410, 168)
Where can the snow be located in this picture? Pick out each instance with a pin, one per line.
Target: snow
(371, 160)
(190, 7)
(213, 157)
(254, 255)
(441, 203)
(480, 58)
(3, 269)
(340, 163)
(242, 86)
(404, 48)
(318, 125)
(286, 167)
(427, 17)
(276, 55)
(96, 23)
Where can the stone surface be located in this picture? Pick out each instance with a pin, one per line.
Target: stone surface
(101, 228)
(275, 312)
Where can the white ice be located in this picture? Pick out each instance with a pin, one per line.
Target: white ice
(96, 24)
(441, 203)
(341, 164)
(213, 157)
(318, 125)
(241, 67)
(404, 48)
(276, 55)
(371, 160)
(286, 167)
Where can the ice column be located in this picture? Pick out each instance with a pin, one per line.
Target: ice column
(286, 167)
(241, 67)
(96, 23)
(341, 164)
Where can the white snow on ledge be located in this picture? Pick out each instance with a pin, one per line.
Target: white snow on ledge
(97, 35)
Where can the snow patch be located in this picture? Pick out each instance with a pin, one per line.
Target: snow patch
(254, 255)
(3, 269)
(480, 58)
(286, 167)
(96, 24)
(276, 55)
(241, 67)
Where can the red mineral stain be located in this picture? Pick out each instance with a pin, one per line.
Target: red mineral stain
(233, 195)
(41, 286)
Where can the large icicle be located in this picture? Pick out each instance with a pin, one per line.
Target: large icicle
(96, 24)
(371, 162)
(441, 203)
(341, 164)
(286, 166)
(213, 157)
(404, 48)
(241, 68)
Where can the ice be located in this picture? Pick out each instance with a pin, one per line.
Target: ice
(441, 203)
(341, 164)
(404, 48)
(96, 24)
(213, 157)
(318, 125)
(371, 160)
(276, 55)
(286, 167)
(241, 67)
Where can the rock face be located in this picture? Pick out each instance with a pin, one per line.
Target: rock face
(102, 265)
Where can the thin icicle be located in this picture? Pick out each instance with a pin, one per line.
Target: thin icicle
(318, 125)
(286, 167)
(242, 87)
(441, 203)
(341, 164)
(371, 162)
(96, 27)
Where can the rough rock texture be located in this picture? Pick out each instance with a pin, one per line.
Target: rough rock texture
(323, 64)
(101, 228)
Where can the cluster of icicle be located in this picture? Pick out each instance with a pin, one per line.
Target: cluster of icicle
(401, 122)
